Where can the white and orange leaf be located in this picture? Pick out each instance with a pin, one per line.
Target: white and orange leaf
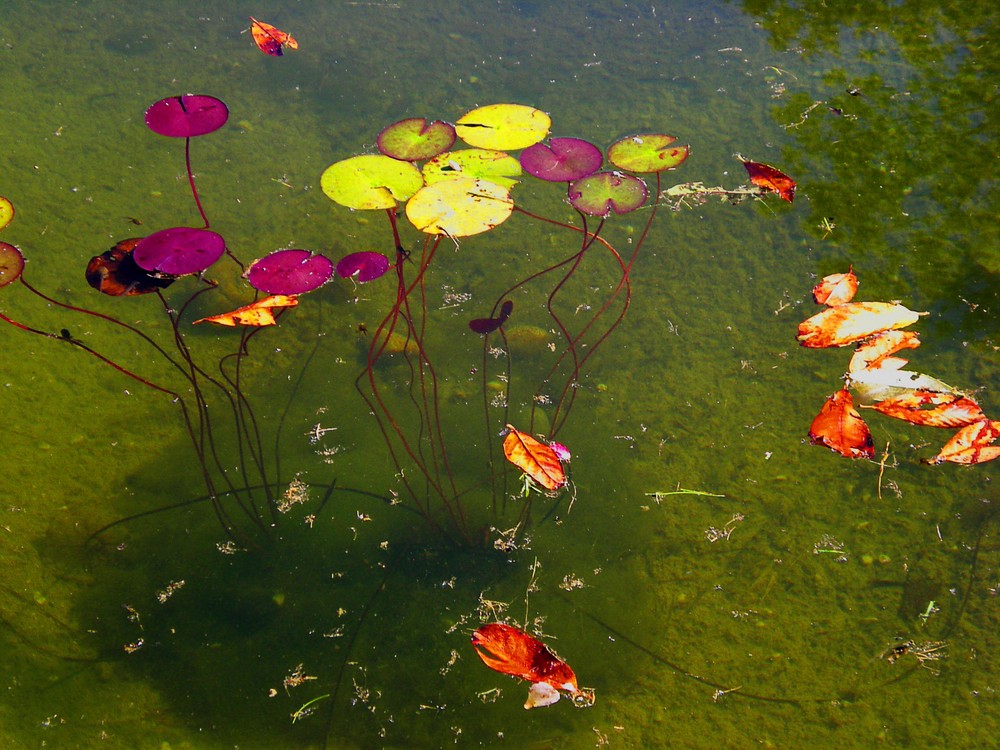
(836, 289)
(839, 427)
(260, 313)
(884, 383)
(971, 445)
(932, 409)
(537, 460)
(876, 351)
(853, 321)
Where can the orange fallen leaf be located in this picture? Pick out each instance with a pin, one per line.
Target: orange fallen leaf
(537, 460)
(770, 179)
(260, 313)
(932, 409)
(836, 289)
(971, 444)
(875, 351)
(269, 39)
(853, 321)
(839, 427)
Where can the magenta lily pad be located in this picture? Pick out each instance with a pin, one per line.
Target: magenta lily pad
(600, 194)
(562, 159)
(179, 251)
(11, 264)
(290, 272)
(488, 325)
(187, 116)
(366, 266)
(415, 139)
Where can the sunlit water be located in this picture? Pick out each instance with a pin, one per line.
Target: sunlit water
(755, 608)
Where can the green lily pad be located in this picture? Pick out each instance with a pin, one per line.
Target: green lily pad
(648, 153)
(370, 181)
(481, 163)
(6, 212)
(459, 207)
(604, 192)
(415, 139)
(503, 126)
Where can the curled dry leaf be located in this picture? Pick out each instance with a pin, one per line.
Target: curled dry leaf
(836, 289)
(971, 445)
(875, 352)
(260, 313)
(537, 460)
(853, 321)
(770, 180)
(932, 409)
(839, 427)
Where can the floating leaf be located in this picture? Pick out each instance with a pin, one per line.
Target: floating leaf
(116, 273)
(260, 313)
(535, 459)
(479, 163)
(290, 272)
(459, 207)
(971, 445)
(601, 193)
(366, 266)
(884, 383)
(179, 251)
(6, 212)
(853, 321)
(932, 409)
(769, 179)
(187, 116)
(488, 325)
(648, 153)
(503, 126)
(874, 353)
(11, 264)
(836, 289)
(270, 40)
(415, 139)
(370, 181)
(562, 159)
(839, 427)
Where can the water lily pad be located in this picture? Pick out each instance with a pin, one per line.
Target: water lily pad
(485, 164)
(415, 139)
(647, 153)
(601, 193)
(459, 207)
(179, 251)
(187, 116)
(371, 181)
(503, 126)
(11, 264)
(562, 159)
(6, 212)
(286, 272)
(365, 266)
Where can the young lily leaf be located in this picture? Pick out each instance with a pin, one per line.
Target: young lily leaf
(647, 153)
(459, 207)
(415, 139)
(364, 266)
(562, 159)
(6, 212)
(11, 264)
(485, 164)
(290, 272)
(371, 181)
(503, 126)
(187, 116)
(604, 192)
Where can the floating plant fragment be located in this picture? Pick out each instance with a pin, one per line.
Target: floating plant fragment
(648, 153)
(370, 181)
(415, 139)
(853, 321)
(179, 251)
(769, 179)
(259, 313)
(839, 427)
(503, 126)
(488, 325)
(365, 266)
(290, 272)
(537, 460)
(836, 289)
(972, 444)
(886, 383)
(601, 193)
(11, 264)
(932, 408)
(875, 353)
(187, 116)
(116, 273)
(270, 40)
(479, 163)
(6, 212)
(459, 207)
(562, 159)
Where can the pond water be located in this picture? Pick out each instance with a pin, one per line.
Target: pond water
(717, 580)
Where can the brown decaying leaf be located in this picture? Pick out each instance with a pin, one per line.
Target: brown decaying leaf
(535, 459)
(506, 649)
(258, 314)
(971, 445)
(853, 321)
(932, 409)
(839, 427)
(836, 289)
(876, 351)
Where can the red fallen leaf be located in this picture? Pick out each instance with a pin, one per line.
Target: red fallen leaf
(508, 650)
(853, 321)
(269, 39)
(836, 289)
(875, 351)
(258, 314)
(839, 427)
(971, 444)
(932, 409)
(771, 180)
(537, 460)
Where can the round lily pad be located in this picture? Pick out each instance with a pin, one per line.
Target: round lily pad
(6, 212)
(415, 139)
(290, 272)
(481, 163)
(647, 153)
(370, 181)
(503, 126)
(459, 207)
(179, 251)
(562, 159)
(11, 264)
(187, 116)
(603, 192)
(366, 266)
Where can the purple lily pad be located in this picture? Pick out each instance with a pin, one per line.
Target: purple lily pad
(11, 264)
(179, 251)
(290, 272)
(562, 159)
(187, 116)
(367, 266)
(601, 193)
(488, 325)
(415, 139)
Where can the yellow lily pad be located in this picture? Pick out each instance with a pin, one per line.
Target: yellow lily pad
(647, 153)
(6, 212)
(503, 126)
(370, 181)
(459, 207)
(480, 163)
